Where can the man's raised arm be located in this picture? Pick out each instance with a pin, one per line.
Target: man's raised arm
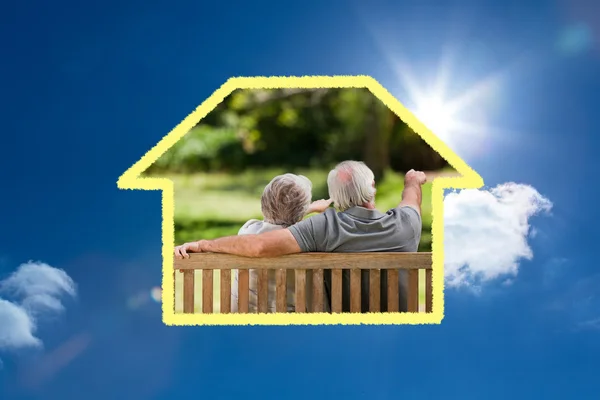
(269, 244)
(412, 195)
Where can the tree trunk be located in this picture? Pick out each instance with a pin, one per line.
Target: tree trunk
(378, 126)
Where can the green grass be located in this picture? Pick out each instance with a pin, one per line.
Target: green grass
(208, 206)
(214, 205)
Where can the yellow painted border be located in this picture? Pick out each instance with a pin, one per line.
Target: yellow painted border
(468, 179)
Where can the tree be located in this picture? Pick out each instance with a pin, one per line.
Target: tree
(291, 128)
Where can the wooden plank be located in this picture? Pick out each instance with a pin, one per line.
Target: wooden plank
(428, 291)
(207, 291)
(355, 290)
(263, 290)
(336, 290)
(188, 291)
(300, 290)
(281, 291)
(308, 261)
(374, 291)
(317, 291)
(225, 291)
(243, 290)
(392, 291)
(413, 290)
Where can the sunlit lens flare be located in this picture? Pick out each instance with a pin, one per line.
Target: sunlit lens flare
(143, 297)
(453, 119)
(575, 39)
(436, 116)
(156, 294)
(459, 117)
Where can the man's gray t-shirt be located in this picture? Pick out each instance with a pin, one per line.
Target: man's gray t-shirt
(359, 229)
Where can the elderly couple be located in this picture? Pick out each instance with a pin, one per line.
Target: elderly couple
(356, 226)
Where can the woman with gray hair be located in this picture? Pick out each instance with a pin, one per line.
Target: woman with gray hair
(285, 201)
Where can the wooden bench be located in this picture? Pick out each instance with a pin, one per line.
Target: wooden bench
(299, 264)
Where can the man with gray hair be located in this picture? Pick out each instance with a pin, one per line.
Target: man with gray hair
(356, 226)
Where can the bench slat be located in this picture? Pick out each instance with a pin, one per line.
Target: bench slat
(243, 290)
(308, 261)
(281, 291)
(300, 290)
(413, 290)
(188, 291)
(317, 289)
(225, 291)
(263, 290)
(336, 290)
(207, 291)
(374, 291)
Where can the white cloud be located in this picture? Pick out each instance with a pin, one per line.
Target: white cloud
(33, 290)
(486, 232)
(40, 286)
(16, 327)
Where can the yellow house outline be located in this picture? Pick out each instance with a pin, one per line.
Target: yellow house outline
(132, 179)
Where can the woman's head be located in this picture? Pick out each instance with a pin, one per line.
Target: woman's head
(286, 199)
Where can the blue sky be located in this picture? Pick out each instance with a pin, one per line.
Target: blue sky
(88, 88)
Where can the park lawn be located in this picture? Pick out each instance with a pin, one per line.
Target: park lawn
(218, 204)
(213, 205)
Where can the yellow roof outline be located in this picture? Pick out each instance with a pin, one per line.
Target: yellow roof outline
(468, 179)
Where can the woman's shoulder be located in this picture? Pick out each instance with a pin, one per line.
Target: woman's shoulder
(250, 227)
(255, 226)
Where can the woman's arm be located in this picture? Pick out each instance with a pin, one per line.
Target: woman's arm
(319, 206)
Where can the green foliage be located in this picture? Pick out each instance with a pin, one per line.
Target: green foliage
(295, 128)
(201, 149)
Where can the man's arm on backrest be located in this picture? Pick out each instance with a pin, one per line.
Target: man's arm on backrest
(268, 244)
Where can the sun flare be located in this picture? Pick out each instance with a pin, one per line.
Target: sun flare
(456, 111)
(436, 115)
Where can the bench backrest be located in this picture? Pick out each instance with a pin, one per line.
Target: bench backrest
(298, 264)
